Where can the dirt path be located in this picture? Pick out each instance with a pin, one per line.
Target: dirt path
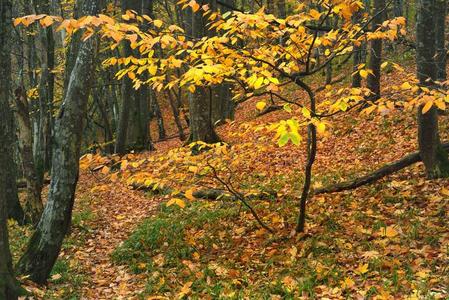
(117, 212)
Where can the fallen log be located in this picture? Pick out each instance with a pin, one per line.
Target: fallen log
(206, 194)
(386, 170)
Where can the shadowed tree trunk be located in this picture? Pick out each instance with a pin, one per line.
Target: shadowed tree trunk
(375, 58)
(223, 107)
(33, 202)
(133, 127)
(282, 9)
(359, 51)
(45, 244)
(440, 39)
(14, 210)
(432, 154)
(9, 287)
(202, 100)
(45, 88)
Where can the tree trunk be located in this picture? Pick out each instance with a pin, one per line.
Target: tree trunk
(45, 244)
(33, 202)
(398, 8)
(14, 210)
(9, 287)
(135, 105)
(375, 59)
(201, 101)
(282, 9)
(223, 107)
(432, 154)
(156, 112)
(175, 110)
(440, 39)
(359, 54)
(45, 89)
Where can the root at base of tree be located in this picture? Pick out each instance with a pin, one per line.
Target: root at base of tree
(386, 170)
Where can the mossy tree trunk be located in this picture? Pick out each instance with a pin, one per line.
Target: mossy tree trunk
(45, 244)
(33, 201)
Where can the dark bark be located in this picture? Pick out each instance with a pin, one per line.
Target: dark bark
(133, 128)
(311, 155)
(175, 110)
(282, 9)
(14, 209)
(45, 244)
(359, 55)
(380, 173)
(33, 202)
(433, 156)
(375, 58)
(9, 287)
(398, 8)
(108, 133)
(201, 101)
(440, 39)
(46, 91)
(156, 111)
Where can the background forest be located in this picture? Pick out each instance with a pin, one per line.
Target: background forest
(224, 149)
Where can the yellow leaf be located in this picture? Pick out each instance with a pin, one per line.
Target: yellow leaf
(258, 82)
(362, 269)
(363, 74)
(193, 169)
(105, 170)
(314, 14)
(176, 201)
(427, 106)
(348, 283)
(321, 127)
(185, 290)
(444, 192)
(384, 65)
(189, 195)
(195, 6)
(406, 86)
(158, 23)
(389, 232)
(261, 105)
(114, 177)
(440, 104)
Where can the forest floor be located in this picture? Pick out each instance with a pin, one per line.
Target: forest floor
(387, 240)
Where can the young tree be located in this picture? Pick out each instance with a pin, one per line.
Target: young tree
(434, 157)
(45, 244)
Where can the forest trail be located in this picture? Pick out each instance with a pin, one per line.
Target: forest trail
(117, 211)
